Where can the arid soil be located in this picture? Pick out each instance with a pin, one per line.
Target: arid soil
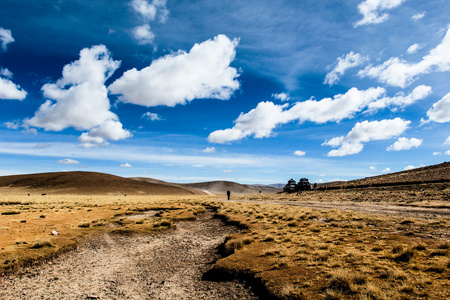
(163, 266)
(377, 208)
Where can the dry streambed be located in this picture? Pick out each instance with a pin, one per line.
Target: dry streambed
(111, 266)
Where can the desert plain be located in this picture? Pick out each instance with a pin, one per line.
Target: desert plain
(82, 235)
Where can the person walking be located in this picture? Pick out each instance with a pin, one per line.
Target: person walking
(228, 194)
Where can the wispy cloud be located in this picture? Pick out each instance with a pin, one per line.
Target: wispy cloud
(398, 72)
(68, 161)
(6, 38)
(342, 64)
(372, 11)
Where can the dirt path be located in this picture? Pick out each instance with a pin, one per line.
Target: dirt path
(164, 266)
(366, 207)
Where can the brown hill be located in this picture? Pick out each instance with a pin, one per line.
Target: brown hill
(87, 183)
(221, 187)
(216, 187)
(427, 175)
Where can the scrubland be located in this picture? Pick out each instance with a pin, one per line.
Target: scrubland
(287, 252)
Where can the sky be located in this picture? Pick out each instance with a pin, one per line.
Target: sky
(249, 91)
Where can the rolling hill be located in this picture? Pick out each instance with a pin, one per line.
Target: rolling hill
(439, 173)
(88, 183)
(216, 187)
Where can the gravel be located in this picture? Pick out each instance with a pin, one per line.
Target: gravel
(162, 266)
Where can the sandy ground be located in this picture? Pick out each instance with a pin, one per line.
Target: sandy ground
(366, 207)
(163, 266)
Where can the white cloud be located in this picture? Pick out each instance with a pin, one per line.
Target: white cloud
(364, 132)
(398, 72)
(6, 73)
(400, 100)
(281, 96)
(414, 48)
(209, 150)
(440, 112)
(404, 144)
(12, 125)
(8, 89)
(68, 161)
(143, 34)
(418, 16)
(447, 141)
(372, 168)
(447, 152)
(299, 153)
(437, 153)
(228, 171)
(386, 170)
(42, 146)
(263, 119)
(371, 9)
(203, 72)
(410, 167)
(151, 116)
(344, 63)
(80, 100)
(126, 165)
(149, 10)
(5, 38)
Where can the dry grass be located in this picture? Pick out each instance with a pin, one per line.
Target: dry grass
(34, 228)
(331, 254)
(295, 252)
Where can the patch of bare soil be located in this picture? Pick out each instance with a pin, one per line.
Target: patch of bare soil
(163, 266)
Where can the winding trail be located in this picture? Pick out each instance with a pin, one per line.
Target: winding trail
(162, 266)
(366, 207)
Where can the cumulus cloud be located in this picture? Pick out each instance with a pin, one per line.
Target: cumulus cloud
(5, 38)
(143, 34)
(263, 119)
(418, 16)
(11, 91)
(203, 72)
(209, 150)
(68, 161)
(447, 152)
(281, 96)
(440, 111)
(299, 153)
(126, 165)
(80, 100)
(400, 100)
(149, 11)
(404, 144)
(410, 167)
(151, 116)
(371, 10)
(372, 168)
(342, 64)
(398, 72)
(437, 153)
(414, 48)
(364, 132)
(387, 170)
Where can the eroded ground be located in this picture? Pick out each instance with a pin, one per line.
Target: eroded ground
(168, 265)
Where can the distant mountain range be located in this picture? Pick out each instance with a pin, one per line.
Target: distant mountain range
(100, 183)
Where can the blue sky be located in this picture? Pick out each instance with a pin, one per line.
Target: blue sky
(248, 91)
